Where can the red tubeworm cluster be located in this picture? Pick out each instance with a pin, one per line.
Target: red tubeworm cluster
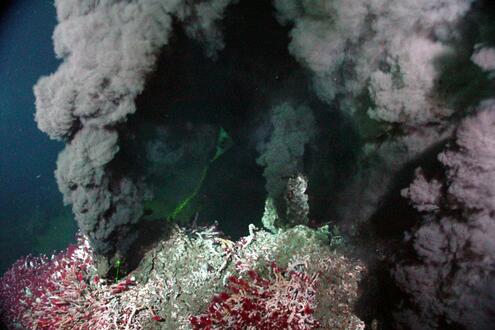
(286, 300)
(58, 292)
(63, 292)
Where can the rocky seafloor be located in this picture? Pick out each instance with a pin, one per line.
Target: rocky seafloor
(192, 279)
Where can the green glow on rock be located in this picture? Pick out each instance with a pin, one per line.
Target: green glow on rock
(117, 269)
(224, 142)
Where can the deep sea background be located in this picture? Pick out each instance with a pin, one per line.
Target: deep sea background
(234, 92)
(30, 202)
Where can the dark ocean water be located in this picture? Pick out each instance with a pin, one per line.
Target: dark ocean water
(30, 204)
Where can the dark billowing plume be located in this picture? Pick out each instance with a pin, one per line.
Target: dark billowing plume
(109, 48)
(340, 99)
(452, 278)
